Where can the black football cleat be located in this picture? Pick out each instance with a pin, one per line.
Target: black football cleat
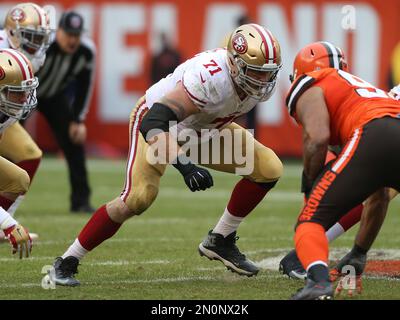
(291, 266)
(216, 247)
(65, 270)
(315, 291)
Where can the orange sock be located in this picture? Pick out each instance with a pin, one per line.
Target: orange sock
(311, 244)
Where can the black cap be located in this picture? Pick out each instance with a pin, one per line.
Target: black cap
(71, 22)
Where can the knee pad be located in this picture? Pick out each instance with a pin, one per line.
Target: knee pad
(32, 151)
(268, 167)
(21, 183)
(141, 198)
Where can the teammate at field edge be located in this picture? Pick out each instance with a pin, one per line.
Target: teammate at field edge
(337, 108)
(26, 29)
(17, 100)
(206, 92)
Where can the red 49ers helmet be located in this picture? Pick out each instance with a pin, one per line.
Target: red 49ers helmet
(316, 56)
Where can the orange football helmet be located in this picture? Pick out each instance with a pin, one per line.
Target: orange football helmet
(254, 60)
(316, 56)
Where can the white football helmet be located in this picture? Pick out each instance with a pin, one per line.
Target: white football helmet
(28, 29)
(17, 85)
(254, 60)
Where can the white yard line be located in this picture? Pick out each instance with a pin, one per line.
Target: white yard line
(272, 250)
(157, 280)
(172, 239)
(274, 195)
(203, 269)
(16, 259)
(127, 263)
(118, 240)
(118, 166)
(272, 263)
(222, 278)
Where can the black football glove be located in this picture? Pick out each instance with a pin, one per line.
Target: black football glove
(356, 258)
(196, 178)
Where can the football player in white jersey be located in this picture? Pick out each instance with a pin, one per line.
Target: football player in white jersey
(17, 99)
(206, 92)
(26, 29)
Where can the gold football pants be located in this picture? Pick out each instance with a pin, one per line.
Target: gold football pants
(16, 145)
(143, 179)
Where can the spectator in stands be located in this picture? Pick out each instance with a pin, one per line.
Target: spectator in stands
(164, 62)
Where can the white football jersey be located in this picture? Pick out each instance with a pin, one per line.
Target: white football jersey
(209, 85)
(4, 44)
(36, 60)
(7, 123)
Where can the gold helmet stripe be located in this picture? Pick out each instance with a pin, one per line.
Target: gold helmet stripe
(26, 72)
(267, 39)
(28, 63)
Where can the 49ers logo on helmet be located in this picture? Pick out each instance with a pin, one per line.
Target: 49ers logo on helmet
(18, 15)
(239, 43)
(2, 74)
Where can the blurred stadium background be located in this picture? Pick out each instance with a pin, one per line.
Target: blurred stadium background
(127, 34)
(155, 256)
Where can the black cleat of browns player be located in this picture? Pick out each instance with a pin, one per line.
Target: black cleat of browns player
(65, 270)
(315, 291)
(291, 266)
(216, 247)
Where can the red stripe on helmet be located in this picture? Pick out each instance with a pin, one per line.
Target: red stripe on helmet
(272, 42)
(28, 64)
(38, 12)
(264, 40)
(19, 63)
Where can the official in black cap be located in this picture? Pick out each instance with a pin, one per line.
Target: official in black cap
(66, 82)
(69, 31)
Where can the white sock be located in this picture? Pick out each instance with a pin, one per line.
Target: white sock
(16, 204)
(76, 250)
(227, 224)
(315, 263)
(334, 232)
(6, 220)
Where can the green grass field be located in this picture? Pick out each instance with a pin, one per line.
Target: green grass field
(155, 256)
